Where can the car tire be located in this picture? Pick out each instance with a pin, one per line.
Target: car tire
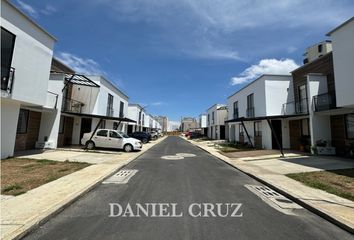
(128, 148)
(90, 145)
(144, 140)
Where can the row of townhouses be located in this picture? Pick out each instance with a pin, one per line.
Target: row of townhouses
(312, 106)
(46, 104)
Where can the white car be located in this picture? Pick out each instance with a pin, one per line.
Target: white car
(109, 138)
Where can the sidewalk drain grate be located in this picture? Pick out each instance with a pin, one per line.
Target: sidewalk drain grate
(274, 199)
(121, 177)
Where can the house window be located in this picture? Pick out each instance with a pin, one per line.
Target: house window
(302, 98)
(250, 105)
(235, 109)
(102, 133)
(349, 123)
(121, 109)
(212, 117)
(320, 48)
(208, 119)
(102, 124)
(7, 48)
(110, 105)
(22, 121)
(305, 130)
(258, 129)
(240, 129)
(61, 124)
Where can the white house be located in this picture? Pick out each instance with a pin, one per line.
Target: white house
(136, 113)
(254, 105)
(216, 116)
(88, 103)
(26, 54)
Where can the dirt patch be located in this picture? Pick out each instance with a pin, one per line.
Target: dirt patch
(338, 182)
(18, 175)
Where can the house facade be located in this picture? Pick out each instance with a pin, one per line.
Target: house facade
(188, 124)
(203, 124)
(90, 102)
(216, 117)
(257, 108)
(26, 102)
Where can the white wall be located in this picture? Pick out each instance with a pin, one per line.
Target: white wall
(203, 121)
(32, 56)
(50, 119)
(9, 118)
(276, 91)
(343, 62)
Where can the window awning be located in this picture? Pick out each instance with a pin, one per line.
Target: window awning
(243, 119)
(118, 119)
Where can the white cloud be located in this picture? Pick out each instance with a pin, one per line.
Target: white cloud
(28, 9)
(81, 65)
(265, 66)
(48, 10)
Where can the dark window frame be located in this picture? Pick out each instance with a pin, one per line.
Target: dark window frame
(121, 109)
(308, 127)
(235, 109)
(62, 128)
(27, 121)
(257, 131)
(346, 126)
(110, 100)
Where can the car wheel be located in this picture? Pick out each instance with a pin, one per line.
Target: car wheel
(144, 140)
(128, 148)
(90, 145)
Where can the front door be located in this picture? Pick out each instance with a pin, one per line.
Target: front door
(278, 132)
(85, 126)
(115, 140)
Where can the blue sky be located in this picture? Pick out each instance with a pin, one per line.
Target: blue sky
(180, 57)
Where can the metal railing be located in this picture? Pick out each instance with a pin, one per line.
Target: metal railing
(110, 111)
(52, 100)
(7, 78)
(250, 112)
(71, 105)
(324, 102)
(295, 107)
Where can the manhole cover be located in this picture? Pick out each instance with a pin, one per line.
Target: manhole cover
(172, 157)
(186, 154)
(121, 177)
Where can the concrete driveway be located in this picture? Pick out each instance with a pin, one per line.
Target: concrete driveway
(299, 164)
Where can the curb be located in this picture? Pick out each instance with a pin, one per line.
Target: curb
(291, 197)
(69, 202)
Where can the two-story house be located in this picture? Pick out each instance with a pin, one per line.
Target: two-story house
(26, 103)
(136, 113)
(216, 117)
(88, 103)
(256, 112)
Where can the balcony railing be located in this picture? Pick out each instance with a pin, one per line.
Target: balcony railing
(71, 105)
(52, 100)
(324, 102)
(236, 115)
(250, 112)
(110, 111)
(295, 107)
(7, 78)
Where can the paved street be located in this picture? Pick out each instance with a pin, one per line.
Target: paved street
(199, 179)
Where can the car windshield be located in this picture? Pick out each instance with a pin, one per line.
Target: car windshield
(124, 135)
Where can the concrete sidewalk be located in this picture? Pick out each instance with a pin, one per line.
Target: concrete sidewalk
(22, 213)
(331, 207)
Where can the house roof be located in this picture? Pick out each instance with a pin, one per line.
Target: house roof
(31, 20)
(340, 26)
(260, 77)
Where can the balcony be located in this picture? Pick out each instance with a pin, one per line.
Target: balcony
(110, 111)
(7, 78)
(295, 107)
(250, 112)
(324, 102)
(71, 105)
(236, 115)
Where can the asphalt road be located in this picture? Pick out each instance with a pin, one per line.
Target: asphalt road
(199, 179)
